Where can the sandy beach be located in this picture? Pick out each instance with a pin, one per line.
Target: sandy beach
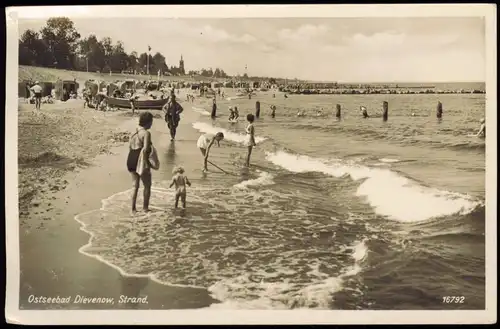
(71, 158)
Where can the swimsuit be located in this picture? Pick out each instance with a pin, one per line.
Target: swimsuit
(135, 146)
(248, 139)
(202, 142)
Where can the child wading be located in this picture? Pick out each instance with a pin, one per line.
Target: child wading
(180, 181)
(250, 139)
(231, 113)
(204, 143)
(140, 142)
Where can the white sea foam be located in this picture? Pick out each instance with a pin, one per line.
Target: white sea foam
(264, 281)
(229, 135)
(242, 293)
(201, 111)
(264, 179)
(388, 160)
(388, 193)
(233, 98)
(122, 198)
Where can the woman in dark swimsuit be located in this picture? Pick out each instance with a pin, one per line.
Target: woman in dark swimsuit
(139, 140)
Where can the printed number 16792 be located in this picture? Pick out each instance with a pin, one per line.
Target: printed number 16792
(453, 299)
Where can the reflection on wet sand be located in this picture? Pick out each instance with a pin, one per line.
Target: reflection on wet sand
(171, 153)
(131, 291)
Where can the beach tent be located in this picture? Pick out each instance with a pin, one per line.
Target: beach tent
(129, 84)
(215, 85)
(63, 88)
(153, 85)
(195, 86)
(23, 89)
(140, 84)
(110, 88)
(92, 87)
(255, 84)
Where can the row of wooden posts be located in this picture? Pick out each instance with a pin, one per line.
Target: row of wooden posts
(385, 112)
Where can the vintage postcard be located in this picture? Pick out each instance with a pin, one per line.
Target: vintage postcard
(303, 164)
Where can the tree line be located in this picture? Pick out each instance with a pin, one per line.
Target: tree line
(59, 45)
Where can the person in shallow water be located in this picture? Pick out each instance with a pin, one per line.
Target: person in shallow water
(180, 181)
(250, 138)
(139, 142)
(364, 112)
(214, 109)
(236, 114)
(231, 113)
(172, 115)
(204, 143)
(482, 129)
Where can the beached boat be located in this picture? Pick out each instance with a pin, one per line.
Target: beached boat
(140, 104)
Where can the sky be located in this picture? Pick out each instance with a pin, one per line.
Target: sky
(371, 49)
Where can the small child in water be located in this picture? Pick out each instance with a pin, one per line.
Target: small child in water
(231, 113)
(180, 180)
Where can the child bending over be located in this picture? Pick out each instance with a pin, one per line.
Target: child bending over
(180, 180)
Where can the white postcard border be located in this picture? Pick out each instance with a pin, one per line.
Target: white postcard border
(206, 316)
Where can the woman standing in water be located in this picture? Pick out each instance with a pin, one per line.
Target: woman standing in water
(139, 142)
(250, 138)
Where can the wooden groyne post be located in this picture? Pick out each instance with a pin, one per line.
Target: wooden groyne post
(439, 110)
(338, 112)
(385, 113)
(257, 109)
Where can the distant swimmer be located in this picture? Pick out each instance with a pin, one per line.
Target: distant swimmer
(319, 113)
(204, 143)
(286, 96)
(273, 111)
(364, 112)
(214, 109)
(236, 114)
(231, 113)
(250, 138)
(301, 113)
(482, 129)
(180, 181)
(274, 95)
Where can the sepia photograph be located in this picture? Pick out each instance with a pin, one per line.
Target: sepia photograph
(251, 164)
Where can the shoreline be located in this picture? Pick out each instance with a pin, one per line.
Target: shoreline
(52, 263)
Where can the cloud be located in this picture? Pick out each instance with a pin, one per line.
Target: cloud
(377, 40)
(216, 35)
(304, 32)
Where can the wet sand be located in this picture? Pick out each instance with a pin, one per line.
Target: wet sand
(51, 264)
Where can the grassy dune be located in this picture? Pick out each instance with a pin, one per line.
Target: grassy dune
(52, 75)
